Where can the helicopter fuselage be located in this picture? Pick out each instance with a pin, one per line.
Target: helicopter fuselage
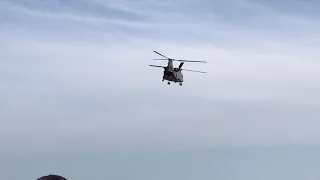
(173, 76)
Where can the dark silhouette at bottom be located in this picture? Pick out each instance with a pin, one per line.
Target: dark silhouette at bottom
(52, 177)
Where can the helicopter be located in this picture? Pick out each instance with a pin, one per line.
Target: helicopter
(174, 74)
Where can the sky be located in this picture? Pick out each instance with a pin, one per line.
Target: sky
(78, 98)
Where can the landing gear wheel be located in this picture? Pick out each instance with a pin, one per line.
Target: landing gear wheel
(180, 84)
(162, 80)
(168, 83)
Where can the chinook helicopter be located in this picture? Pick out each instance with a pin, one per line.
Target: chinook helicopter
(174, 74)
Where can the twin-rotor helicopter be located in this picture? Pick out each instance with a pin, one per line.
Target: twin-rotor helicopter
(174, 74)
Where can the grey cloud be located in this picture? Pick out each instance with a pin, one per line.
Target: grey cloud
(80, 7)
(298, 8)
(27, 18)
(189, 24)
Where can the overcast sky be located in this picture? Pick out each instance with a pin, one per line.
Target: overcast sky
(79, 99)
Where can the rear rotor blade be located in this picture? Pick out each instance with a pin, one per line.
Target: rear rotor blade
(180, 65)
(194, 71)
(161, 54)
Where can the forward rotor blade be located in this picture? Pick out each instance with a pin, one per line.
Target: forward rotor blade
(180, 60)
(157, 66)
(176, 59)
(188, 60)
(161, 54)
(194, 71)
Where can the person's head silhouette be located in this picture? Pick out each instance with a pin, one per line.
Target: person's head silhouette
(52, 177)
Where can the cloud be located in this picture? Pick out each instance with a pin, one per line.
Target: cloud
(76, 71)
(78, 98)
